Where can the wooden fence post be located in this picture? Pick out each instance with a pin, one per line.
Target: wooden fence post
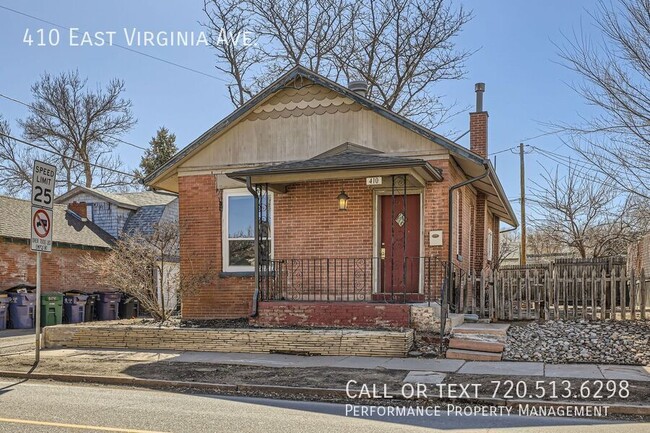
(623, 293)
(633, 288)
(644, 293)
(593, 294)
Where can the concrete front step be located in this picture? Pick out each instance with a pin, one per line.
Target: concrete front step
(476, 345)
(492, 329)
(490, 338)
(472, 355)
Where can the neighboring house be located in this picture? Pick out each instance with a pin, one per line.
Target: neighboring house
(63, 269)
(124, 212)
(345, 202)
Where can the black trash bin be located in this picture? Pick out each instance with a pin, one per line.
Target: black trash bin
(22, 309)
(90, 314)
(108, 306)
(129, 307)
(4, 309)
(74, 306)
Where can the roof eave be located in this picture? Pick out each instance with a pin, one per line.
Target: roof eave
(502, 194)
(241, 175)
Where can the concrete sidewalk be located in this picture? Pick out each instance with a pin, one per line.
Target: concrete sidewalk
(504, 368)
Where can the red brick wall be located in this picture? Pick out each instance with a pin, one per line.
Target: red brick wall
(309, 224)
(80, 209)
(345, 314)
(62, 269)
(200, 223)
(478, 135)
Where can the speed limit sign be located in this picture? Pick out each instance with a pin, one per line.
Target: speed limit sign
(43, 181)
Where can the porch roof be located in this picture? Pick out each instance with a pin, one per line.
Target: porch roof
(353, 158)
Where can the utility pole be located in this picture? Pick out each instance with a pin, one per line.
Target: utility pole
(522, 180)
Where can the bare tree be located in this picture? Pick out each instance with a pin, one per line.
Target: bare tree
(509, 243)
(81, 127)
(585, 214)
(402, 48)
(615, 73)
(15, 162)
(146, 266)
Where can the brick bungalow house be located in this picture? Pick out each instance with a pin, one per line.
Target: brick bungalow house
(319, 207)
(73, 239)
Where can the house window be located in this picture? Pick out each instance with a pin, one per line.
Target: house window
(89, 211)
(489, 245)
(239, 231)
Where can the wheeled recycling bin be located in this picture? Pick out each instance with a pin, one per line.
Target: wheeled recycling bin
(51, 309)
(4, 309)
(108, 306)
(22, 308)
(90, 314)
(129, 307)
(74, 306)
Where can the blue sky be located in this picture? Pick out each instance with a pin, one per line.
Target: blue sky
(516, 58)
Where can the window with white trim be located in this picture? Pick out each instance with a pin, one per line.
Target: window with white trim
(238, 228)
(489, 245)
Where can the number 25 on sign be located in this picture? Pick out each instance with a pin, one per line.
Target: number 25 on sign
(43, 185)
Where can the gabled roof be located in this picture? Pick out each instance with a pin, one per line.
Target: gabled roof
(67, 228)
(347, 156)
(471, 161)
(144, 220)
(129, 200)
(290, 76)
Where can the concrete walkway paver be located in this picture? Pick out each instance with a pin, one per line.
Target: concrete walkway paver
(429, 377)
(503, 368)
(441, 365)
(578, 371)
(627, 372)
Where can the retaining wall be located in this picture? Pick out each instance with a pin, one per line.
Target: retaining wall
(315, 342)
(343, 314)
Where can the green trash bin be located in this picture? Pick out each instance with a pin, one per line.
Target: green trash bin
(51, 309)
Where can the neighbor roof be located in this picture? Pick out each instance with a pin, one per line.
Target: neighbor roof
(144, 220)
(131, 200)
(67, 227)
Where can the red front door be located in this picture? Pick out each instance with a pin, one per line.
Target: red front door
(400, 244)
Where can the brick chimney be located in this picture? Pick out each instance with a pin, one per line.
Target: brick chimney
(78, 208)
(478, 125)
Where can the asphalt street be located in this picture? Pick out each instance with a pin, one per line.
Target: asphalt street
(32, 406)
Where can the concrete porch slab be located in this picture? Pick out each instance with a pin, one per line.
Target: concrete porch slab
(429, 377)
(581, 371)
(626, 372)
(503, 368)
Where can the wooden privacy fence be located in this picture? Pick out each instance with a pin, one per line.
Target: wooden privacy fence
(554, 292)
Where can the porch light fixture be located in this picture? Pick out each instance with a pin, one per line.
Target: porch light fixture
(343, 200)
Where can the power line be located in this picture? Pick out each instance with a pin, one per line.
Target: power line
(169, 62)
(65, 156)
(9, 98)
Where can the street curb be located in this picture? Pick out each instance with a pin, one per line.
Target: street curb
(290, 391)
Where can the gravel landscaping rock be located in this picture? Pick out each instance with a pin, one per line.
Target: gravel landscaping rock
(565, 341)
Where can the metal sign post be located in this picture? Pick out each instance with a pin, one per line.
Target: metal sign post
(41, 221)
